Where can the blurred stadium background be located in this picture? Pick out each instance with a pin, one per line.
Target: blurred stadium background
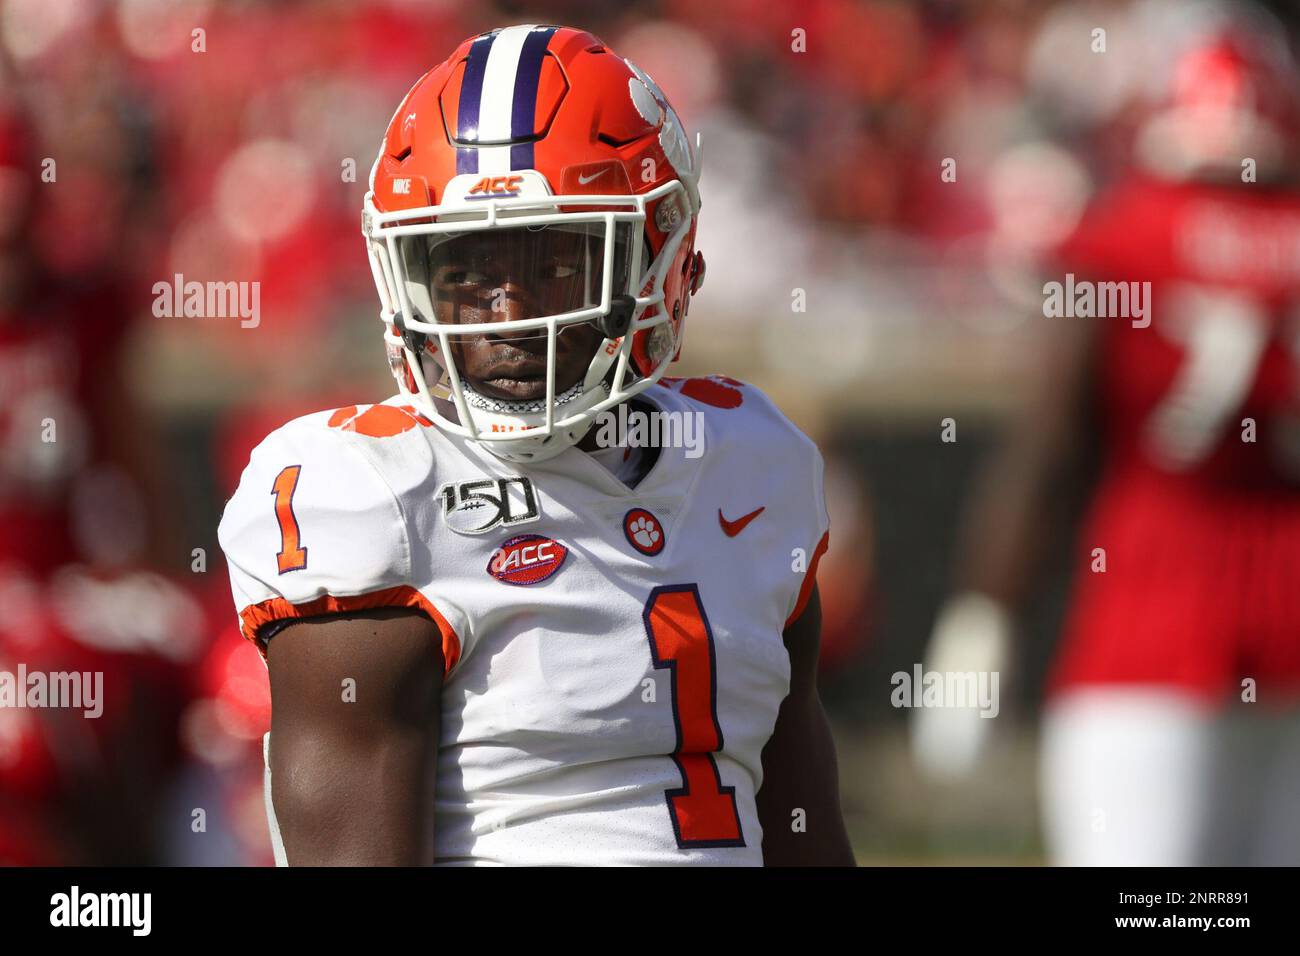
(247, 161)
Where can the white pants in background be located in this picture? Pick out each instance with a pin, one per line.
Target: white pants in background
(1152, 776)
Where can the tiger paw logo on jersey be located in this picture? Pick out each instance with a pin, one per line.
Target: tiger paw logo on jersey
(720, 391)
(527, 559)
(495, 187)
(644, 531)
(378, 421)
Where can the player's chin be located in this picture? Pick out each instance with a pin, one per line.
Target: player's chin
(520, 388)
(525, 388)
(515, 389)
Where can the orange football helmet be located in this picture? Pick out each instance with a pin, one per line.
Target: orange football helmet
(533, 149)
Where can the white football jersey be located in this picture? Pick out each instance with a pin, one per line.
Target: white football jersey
(615, 660)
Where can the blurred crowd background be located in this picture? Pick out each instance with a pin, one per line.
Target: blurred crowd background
(241, 153)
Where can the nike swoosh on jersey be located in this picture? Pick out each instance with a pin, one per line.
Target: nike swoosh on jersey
(733, 528)
(583, 180)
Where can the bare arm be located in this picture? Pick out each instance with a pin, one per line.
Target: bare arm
(1004, 524)
(799, 768)
(1003, 534)
(352, 774)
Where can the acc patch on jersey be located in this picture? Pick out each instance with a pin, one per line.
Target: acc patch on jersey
(527, 559)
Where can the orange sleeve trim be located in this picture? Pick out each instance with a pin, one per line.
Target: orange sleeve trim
(255, 616)
(809, 579)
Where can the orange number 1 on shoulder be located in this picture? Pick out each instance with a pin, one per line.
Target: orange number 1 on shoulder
(292, 556)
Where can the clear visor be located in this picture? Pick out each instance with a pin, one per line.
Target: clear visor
(510, 274)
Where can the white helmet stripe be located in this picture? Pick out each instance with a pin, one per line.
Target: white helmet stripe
(497, 102)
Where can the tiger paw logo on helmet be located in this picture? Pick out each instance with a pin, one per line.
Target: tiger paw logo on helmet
(532, 143)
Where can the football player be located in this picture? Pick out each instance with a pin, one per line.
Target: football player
(492, 635)
(1170, 731)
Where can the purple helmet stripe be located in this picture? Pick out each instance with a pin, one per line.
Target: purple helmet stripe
(471, 94)
(524, 108)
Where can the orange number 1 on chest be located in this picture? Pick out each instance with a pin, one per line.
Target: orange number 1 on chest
(703, 811)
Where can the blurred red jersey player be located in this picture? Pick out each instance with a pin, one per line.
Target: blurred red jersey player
(1167, 719)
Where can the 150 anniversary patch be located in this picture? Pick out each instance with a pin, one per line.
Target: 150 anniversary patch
(476, 507)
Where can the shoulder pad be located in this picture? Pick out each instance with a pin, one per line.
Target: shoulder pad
(311, 520)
